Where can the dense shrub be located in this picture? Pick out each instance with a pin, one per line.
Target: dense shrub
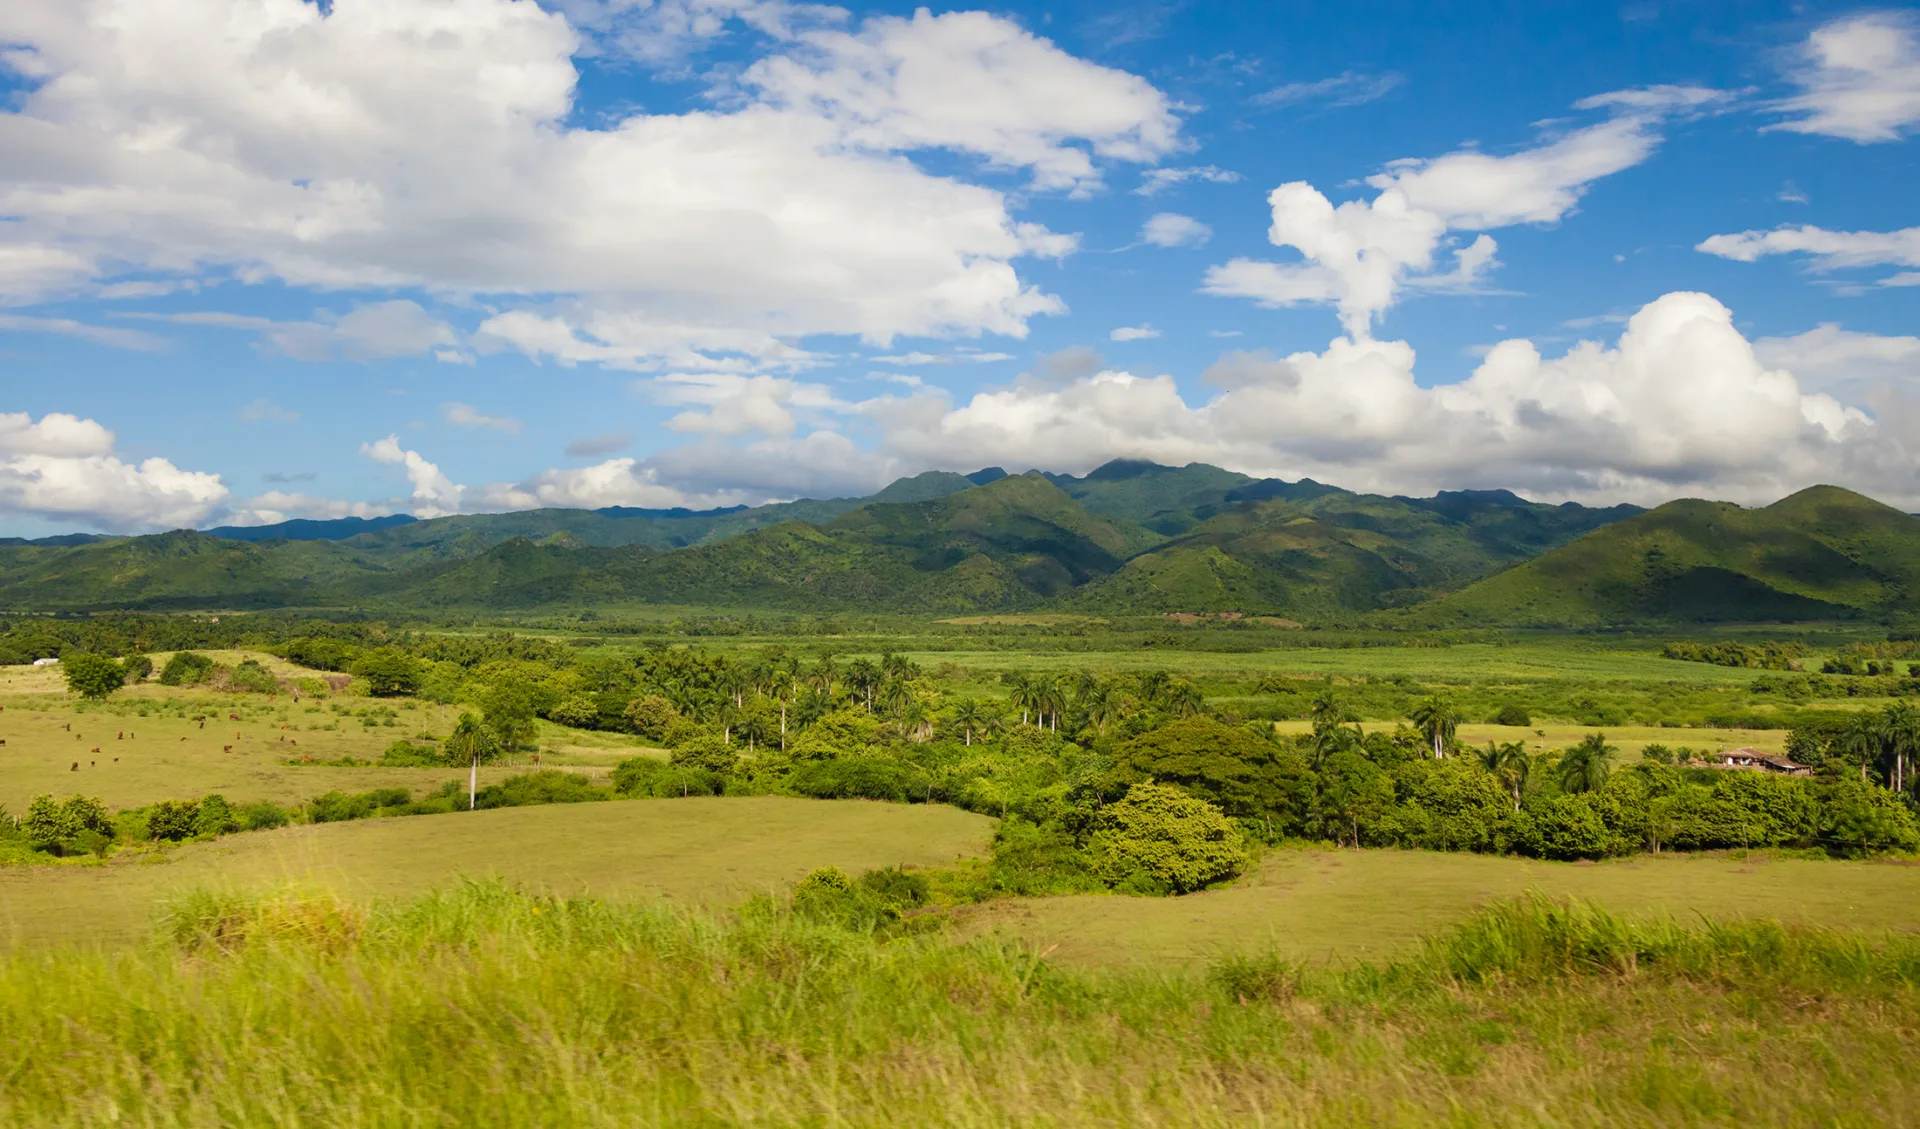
(646, 776)
(410, 754)
(579, 711)
(250, 677)
(1512, 714)
(1562, 827)
(705, 752)
(338, 807)
(1449, 805)
(1160, 838)
(548, 786)
(136, 668)
(859, 778)
(172, 820)
(186, 668)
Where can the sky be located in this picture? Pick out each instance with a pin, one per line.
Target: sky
(268, 259)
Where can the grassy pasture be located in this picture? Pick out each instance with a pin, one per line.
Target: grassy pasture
(1345, 905)
(705, 851)
(162, 753)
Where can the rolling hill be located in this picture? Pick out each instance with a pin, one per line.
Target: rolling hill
(1127, 538)
(1823, 553)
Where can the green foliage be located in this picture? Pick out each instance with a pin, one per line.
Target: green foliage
(652, 717)
(1159, 836)
(1449, 805)
(92, 676)
(707, 753)
(339, 807)
(186, 668)
(1754, 656)
(251, 677)
(1512, 713)
(1246, 776)
(579, 711)
(410, 754)
(59, 826)
(548, 786)
(389, 672)
(858, 778)
(136, 667)
(174, 820)
(646, 776)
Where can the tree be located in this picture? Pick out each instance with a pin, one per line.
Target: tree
(1900, 732)
(471, 741)
(389, 673)
(1859, 742)
(508, 712)
(1022, 694)
(1510, 765)
(1247, 776)
(651, 716)
(1437, 721)
(1183, 699)
(863, 677)
(1165, 837)
(1584, 767)
(92, 676)
(971, 714)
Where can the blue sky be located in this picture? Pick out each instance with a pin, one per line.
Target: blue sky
(263, 259)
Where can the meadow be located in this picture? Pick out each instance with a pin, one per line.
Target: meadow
(476, 1005)
(659, 961)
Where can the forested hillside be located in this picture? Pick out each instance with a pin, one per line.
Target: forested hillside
(1130, 537)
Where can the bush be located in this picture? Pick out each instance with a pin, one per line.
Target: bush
(1161, 834)
(1562, 827)
(136, 668)
(338, 807)
(408, 754)
(858, 778)
(215, 817)
(171, 821)
(250, 677)
(646, 776)
(1858, 819)
(1449, 805)
(1512, 714)
(186, 668)
(705, 752)
(1032, 859)
(548, 786)
(262, 815)
(55, 826)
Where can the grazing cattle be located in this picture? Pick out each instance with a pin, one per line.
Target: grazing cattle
(93, 764)
(233, 717)
(75, 768)
(119, 736)
(68, 727)
(226, 748)
(116, 760)
(203, 725)
(3, 740)
(96, 748)
(293, 742)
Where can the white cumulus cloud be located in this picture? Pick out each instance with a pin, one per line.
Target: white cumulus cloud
(1827, 250)
(61, 467)
(1859, 79)
(1360, 255)
(430, 145)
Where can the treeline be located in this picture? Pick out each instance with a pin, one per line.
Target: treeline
(1751, 656)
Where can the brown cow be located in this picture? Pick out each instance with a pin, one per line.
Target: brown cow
(226, 748)
(75, 768)
(233, 717)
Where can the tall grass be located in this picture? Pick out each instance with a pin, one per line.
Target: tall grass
(481, 1006)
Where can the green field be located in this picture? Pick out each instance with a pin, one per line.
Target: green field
(713, 852)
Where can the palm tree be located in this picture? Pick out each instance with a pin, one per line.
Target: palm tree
(1152, 685)
(470, 741)
(1326, 710)
(1509, 764)
(1100, 704)
(863, 676)
(824, 674)
(1050, 697)
(1437, 721)
(1021, 694)
(1859, 742)
(971, 714)
(1900, 729)
(895, 693)
(1331, 739)
(1183, 699)
(1584, 767)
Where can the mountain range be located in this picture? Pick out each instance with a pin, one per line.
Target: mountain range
(1128, 538)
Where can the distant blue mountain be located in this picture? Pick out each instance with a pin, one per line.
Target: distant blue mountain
(309, 529)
